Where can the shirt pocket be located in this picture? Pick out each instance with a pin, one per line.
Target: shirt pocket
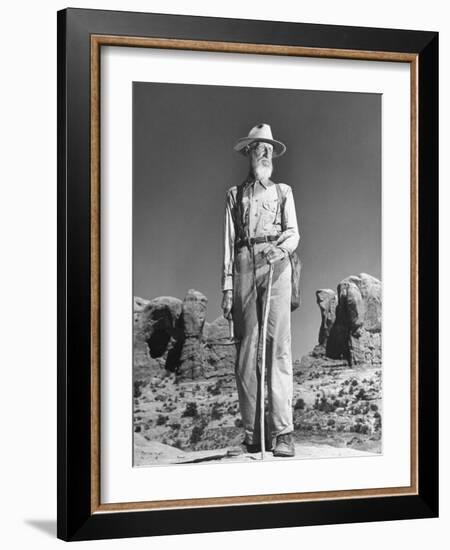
(270, 205)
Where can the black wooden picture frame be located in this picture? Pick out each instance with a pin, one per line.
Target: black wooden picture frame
(81, 34)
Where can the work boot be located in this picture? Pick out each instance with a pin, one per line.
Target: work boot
(285, 445)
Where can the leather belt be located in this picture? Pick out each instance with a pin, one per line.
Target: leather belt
(256, 240)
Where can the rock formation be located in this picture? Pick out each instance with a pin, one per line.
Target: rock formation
(351, 321)
(327, 302)
(192, 360)
(220, 349)
(158, 328)
(174, 331)
(185, 397)
(140, 348)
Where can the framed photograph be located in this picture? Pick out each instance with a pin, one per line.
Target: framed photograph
(247, 291)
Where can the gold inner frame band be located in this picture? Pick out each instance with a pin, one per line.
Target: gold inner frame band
(97, 41)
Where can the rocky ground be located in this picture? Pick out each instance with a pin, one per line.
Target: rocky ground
(155, 453)
(338, 405)
(190, 415)
(185, 398)
(334, 405)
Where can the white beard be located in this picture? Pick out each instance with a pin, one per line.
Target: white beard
(262, 172)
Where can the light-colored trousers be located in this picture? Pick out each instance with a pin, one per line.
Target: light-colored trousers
(251, 274)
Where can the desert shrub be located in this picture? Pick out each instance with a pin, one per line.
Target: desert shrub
(161, 420)
(361, 394)
(364, 428)
(324, 405)
(377, 417)
(198, 430)
(238, 423)
(196, 434)
(331, 422)
(138, 384)
(373, 407)
(299, 404)
(181, 394)
(191, 410)
(216, 412)
(214, 389)
(137, 429)
(175, 426)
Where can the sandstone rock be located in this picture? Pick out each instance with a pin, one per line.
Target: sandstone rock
(327, 302)
(140, 349)
(161, 329)
(139, 305)
(192, 360)
(351, 321)
(170, 332)
(217, 331)
(360, 298)
(220, 350)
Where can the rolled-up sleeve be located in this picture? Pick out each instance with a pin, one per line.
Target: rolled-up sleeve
(228, 249)
(290, 236)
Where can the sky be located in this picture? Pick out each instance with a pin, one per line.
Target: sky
(184, 163)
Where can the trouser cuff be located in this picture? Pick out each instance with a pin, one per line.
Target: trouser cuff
(288, 429)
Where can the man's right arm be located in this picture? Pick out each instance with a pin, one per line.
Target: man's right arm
(228, 256)
(228, 249)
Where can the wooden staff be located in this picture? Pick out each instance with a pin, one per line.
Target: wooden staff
(263, 360)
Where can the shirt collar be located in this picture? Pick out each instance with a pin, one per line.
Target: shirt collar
(251, 181)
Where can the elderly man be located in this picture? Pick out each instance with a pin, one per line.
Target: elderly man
(261, 229)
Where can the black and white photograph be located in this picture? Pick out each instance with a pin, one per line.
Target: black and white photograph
(257, 274)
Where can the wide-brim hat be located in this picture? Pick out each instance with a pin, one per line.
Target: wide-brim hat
(261, 132)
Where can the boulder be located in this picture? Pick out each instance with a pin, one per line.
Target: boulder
(218, 331)
(161, 329)
(170, 331)
(140, 349)
(192, 359)
(327, 302)
(351, 321)
(220, 349)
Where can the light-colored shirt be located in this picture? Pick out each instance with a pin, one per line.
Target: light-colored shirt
(263, 215)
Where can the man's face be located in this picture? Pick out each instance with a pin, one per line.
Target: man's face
(260, 154)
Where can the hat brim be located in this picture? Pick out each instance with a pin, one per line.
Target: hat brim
(278, 147)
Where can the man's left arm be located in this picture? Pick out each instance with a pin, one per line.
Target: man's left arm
(290, 237)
